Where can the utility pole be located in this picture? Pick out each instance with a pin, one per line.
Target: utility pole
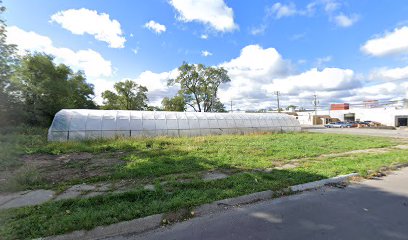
(277, 99)
(315, 103)
(231, 107)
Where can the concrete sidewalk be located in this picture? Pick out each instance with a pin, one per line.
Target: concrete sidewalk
(373, 209)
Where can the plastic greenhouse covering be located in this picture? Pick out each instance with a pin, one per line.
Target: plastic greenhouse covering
(91, 124)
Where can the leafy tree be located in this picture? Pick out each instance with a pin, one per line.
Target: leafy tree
(7, 53)
(44, 88)
(41, 86)
(81, 93)
(176, 103)
(154, 108)
(218, 107)
(9, 106)
(128, 96)
(291, 106)
(199, 85)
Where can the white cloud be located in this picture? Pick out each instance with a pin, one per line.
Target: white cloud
(383, 84)
(155, 27)
(257, 63)
(378, 91)
(204, 36)
(384, 88)
(259, 30)
(277, 11)
(404, 87)
(329, 79)
(321, 61)
(280, 10)
(254, 68)
(156, 83)
(330, 5)
(206, 53)
(100, 85)
(301, 61)
(27, 40)
(392, 43)
(81, 21)
(390, 74)
(343, 20)
(92, 62)
(257, 72)
(214, 13)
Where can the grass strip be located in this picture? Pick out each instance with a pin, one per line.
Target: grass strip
(69, 215)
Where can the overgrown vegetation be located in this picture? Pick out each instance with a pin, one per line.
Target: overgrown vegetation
(148, 159)
(248, 148)
(15, 141)
(163, 161)
(68, 215)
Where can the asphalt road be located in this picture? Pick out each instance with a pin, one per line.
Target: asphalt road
(373, 209)
(399, 133)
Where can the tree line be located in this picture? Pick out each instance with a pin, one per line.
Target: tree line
(33, 88)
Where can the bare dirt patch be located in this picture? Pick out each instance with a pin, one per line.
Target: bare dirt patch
(66, 167)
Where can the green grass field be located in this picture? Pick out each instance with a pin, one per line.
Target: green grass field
(162, 157)
(163, 161)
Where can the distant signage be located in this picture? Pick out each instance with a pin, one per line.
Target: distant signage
(339, 106)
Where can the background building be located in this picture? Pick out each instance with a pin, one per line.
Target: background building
(390, 113)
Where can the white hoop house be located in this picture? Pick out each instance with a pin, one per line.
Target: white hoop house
(91, 124)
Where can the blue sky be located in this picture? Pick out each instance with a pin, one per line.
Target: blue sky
(343, 51)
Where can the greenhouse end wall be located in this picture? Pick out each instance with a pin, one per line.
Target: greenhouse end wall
(82, 124)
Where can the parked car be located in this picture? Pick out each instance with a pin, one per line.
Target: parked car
(353, 124)
(364, 123)
(338, 125)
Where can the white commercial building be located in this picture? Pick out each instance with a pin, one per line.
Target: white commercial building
(395, 116)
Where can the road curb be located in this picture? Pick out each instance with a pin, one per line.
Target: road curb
(127, 227)
(321, 183)
(154, 221)
(221, 205)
